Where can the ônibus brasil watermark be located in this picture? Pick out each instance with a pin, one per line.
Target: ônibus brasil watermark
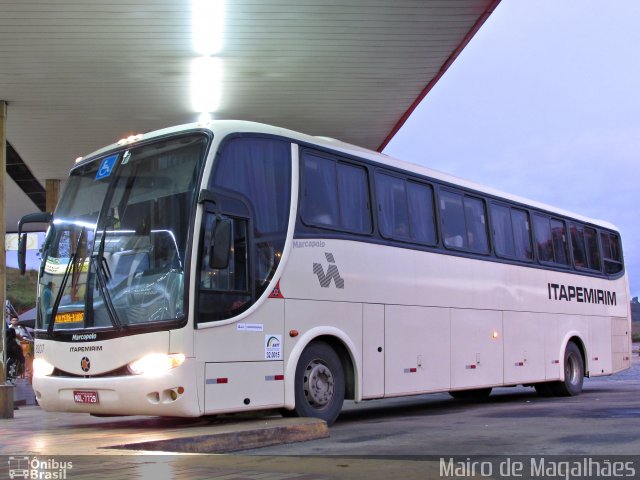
(38, 468)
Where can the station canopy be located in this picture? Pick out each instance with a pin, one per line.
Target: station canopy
(81, 74)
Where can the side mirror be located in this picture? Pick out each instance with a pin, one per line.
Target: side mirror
(39, 217)
(219, 252)
(22, 253)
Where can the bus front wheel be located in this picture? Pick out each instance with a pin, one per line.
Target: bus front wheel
(573, 373)
(319, 383)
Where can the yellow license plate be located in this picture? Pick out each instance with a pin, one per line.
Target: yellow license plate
(70, 317)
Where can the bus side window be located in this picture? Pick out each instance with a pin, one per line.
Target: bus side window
(453, 226)
(353, 191)
(258, 170)
(224, 292)
(475, 217)
(544, 243)
(522, 234)
(392, 207)
(335, 194)
(320, 205)
(464, 222)
(559, 236)
(577, 244)
(592, 249)
(502, 230)
(584, 241)
(611, 252)
(422, 217)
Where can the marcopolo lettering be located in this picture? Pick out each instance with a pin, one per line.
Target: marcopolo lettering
(84, 337)
(571, 293)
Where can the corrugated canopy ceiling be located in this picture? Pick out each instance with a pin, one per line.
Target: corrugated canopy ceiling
(80, 74)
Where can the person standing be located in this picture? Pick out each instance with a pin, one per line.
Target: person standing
(25, 343)
(15, 357)
(21, 332)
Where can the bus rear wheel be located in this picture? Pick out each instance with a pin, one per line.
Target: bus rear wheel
(573, 373)
(319, 383)
(473, 395)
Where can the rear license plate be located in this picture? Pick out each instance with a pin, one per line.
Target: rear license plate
(85, 396)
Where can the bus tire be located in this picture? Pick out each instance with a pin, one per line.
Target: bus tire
(473, 395)
(573, 373)
(319, 383)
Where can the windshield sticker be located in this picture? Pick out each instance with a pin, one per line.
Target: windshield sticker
(273, 347)
(106, 167)
(57, 266)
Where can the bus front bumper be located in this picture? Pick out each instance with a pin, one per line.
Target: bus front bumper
(172, 394)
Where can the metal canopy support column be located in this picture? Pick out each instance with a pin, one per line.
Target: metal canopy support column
(6, 392)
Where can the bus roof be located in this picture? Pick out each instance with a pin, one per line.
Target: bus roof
(222, 128)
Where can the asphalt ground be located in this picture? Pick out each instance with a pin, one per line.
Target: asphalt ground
(404, 438)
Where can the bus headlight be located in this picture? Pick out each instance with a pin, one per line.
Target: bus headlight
(155, 364)
(41, 368)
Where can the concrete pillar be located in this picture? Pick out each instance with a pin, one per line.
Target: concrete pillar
(52, 187)
(6, 392)
(6, 401)
(3, 227)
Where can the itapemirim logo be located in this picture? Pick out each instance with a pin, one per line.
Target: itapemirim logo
(38, 468)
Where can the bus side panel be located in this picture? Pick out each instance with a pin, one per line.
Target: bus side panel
(552, 339)
(524, 347)
(571, 326)
(621, 344)
(599, 349)
(418, 342)
(242, 340)
(476, 348)
(238, 386)
(323, 318)
(373, 351)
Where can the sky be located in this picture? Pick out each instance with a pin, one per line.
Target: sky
(544, 102)
(34, 244)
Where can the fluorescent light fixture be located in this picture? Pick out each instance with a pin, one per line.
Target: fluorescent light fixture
(208, 25)
(206, 84)
(204, 119)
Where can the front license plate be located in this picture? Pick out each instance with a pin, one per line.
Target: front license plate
(84, 396)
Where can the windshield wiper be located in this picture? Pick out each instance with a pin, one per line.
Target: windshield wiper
(63, 284)
(104, 274)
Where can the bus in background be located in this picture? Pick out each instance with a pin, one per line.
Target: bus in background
(234, 266)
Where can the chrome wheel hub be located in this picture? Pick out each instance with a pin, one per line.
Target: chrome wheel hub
(318, 384)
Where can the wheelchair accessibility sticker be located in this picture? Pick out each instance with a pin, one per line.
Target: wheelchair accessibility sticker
(106, 167)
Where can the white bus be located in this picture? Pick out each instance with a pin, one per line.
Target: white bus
(235, 266)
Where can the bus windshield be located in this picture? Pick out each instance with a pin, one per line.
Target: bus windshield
(115, 253)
